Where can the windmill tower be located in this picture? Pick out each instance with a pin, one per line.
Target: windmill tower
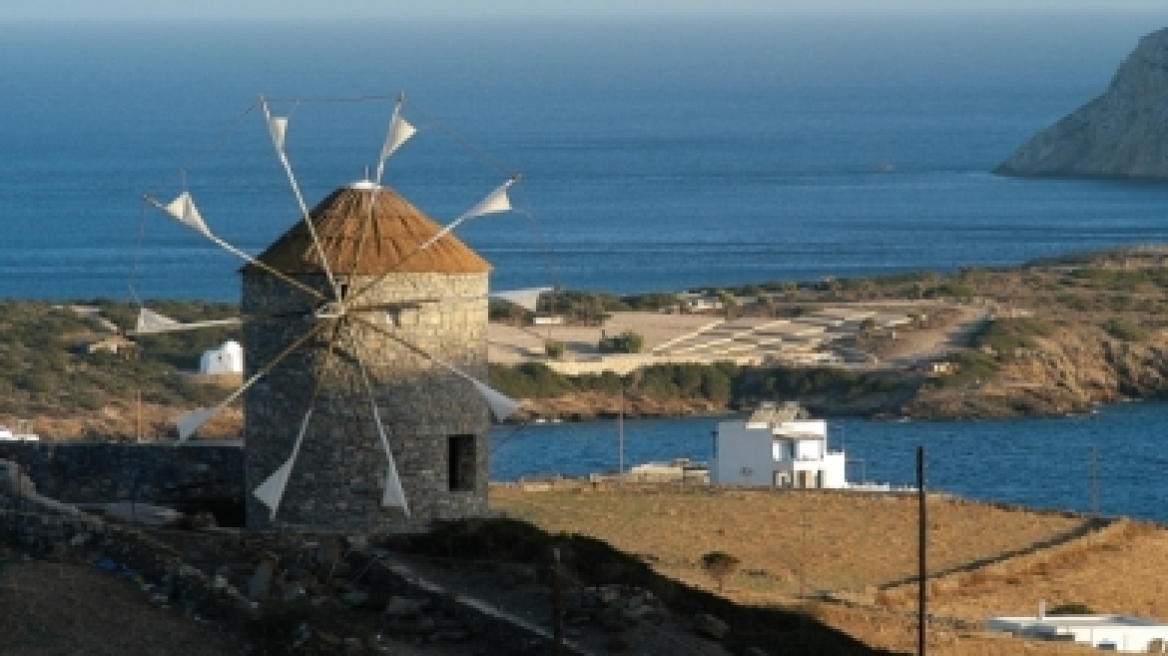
(365, 333)
(435, 423)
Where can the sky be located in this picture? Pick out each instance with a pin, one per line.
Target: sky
(273, 10)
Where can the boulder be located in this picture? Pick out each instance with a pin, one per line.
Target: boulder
(710, 627)
(402, 606)
(260, 585)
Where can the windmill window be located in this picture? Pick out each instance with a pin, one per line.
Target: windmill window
(461, 461)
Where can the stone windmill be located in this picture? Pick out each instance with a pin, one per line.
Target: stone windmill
(365, 333)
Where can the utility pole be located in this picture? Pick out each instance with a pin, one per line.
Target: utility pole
(922, 542)
(620, 437)
(803, 552)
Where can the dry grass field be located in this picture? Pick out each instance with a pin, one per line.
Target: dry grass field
(823, 541)
(986, 560)
(510, 345)
(56, 608)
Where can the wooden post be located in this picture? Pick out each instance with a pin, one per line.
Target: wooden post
(922, 543)
(557, 603)
(620, 438)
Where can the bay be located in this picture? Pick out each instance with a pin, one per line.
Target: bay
(1046, 464)
(658, 154)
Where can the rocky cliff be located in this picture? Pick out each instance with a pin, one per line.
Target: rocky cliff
(1067, 373)
(1120, 134)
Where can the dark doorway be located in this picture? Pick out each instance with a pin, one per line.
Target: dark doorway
(461, 461)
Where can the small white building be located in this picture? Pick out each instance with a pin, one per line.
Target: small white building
(1121, 633)
(777, 446)
(21, 435)
(227, 359)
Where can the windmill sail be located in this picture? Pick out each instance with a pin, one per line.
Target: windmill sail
(278, 129)
(271, 491)
(495, 202)
(183, 208)
(501, 406)
(393, 494)
(152, 323)
(190, 423)
(399, 132)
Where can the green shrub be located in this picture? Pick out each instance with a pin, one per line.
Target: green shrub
(554, 349)
(1110, 278)
(951, 290)
(626, 342)
(1005, 335)
(1073, 302)
(720, 566)
(650, 302)
(1125, 330)
(1072, 608)
(530, 380)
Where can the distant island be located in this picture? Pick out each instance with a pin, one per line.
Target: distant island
(1045, 339)
(1120, 134)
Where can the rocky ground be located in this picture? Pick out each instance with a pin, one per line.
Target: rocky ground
(296, 594)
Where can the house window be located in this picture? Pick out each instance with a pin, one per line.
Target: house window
(460, 459)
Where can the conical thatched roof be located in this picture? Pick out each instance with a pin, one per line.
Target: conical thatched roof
(359, 242)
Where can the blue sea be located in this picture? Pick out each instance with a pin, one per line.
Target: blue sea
(1115, 457)
(657, 154)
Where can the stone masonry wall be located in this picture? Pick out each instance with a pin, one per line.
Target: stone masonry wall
(80, 472)
(340, 472)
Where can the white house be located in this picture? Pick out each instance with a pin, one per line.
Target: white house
(1122, 633)
(777, 446)
(227, 359)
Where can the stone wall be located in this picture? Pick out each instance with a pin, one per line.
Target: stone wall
(340, 471)
(83, 472)
(199, 575)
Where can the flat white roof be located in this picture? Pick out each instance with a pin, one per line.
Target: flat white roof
(1079, 621)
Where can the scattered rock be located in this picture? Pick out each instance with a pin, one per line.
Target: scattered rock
(710, 626)
(617, 642)
(453, 635)
(260, 585)
(142, 513)
(355, 598)
(401, 607)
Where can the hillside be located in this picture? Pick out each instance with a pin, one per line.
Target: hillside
(1120, 134)
(49, 377)
(1058, 337)
(1045, 339)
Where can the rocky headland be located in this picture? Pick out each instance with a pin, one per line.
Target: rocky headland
(1120, 134)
